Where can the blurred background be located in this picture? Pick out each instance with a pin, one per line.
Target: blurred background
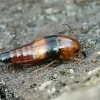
(21, 21)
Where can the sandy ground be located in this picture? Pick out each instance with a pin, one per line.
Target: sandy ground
(21, 21)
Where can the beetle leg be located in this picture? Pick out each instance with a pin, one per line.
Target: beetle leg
(48, 65)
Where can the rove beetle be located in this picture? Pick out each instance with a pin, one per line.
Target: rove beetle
(43, 48)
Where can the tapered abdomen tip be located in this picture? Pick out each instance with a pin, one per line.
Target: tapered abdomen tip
(5, 57)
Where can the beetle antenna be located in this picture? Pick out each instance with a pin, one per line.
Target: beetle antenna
(70, 29)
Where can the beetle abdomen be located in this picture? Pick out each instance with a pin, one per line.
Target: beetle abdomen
(22, 55)
(38, 50)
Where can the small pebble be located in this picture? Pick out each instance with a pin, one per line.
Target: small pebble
(71, 71)
(55, 76)
(94, 60)
(44, 85)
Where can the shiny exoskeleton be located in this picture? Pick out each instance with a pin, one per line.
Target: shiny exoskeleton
(43, 48)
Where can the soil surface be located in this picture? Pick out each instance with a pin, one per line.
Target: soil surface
(21, 21)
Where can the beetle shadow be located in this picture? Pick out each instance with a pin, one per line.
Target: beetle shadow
(23, 68)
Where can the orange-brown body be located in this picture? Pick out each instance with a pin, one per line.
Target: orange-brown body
(43, 48)
(37, 51)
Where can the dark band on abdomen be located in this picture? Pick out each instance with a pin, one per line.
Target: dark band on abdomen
(52, 48)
